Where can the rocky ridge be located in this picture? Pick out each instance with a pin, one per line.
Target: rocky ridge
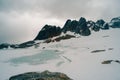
(81, 27)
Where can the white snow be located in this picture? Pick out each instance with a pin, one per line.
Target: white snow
(72, 57)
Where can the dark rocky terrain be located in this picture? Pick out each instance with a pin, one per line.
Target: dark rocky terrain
(81, 27)
(115, 22)
(46, 75)
(48, 31)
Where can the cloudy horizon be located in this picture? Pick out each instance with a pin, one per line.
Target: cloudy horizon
(21, 20)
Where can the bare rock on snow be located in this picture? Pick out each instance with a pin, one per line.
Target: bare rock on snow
(46, 75)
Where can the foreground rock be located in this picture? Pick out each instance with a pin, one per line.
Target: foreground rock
(46, 75)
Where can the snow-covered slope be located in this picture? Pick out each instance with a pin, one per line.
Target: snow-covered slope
(80, 58)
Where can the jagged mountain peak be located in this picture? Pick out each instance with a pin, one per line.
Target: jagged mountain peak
(77, 26)
(48, 31)
(80, 27)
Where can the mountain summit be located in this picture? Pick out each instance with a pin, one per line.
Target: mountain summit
(81, 27)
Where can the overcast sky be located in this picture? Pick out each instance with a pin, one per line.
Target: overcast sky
(21, 20)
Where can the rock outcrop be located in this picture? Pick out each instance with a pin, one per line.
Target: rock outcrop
(79, 27)
(46, 75)
(105, 26)
(100, 22)
(24, 45)
(16, 46)
(48, 31)
(4, 46)
(57, 39)
(115, 22)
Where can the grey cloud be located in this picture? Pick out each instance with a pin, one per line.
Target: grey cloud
(22, 19)
(92, 9)
(64, 8)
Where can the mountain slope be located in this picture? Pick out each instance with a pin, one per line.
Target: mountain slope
(81, 27)
(81, 58)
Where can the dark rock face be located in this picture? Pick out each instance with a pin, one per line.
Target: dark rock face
(79, 27)
(82, 23)
(46, 75)
(66, 26)
(93, 26)
(82, 27)
(4, 45)
(105, 26)
(90, 24)
(100, 22)
(115, 22)
(73, 26)
(25, 44)
(96, 28)
(70, 26)
(85, 32)
(15, 46)
(48, 31)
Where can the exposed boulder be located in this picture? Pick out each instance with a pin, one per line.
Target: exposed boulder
(82, 25)
(4, 45)
(66, 26)
(105, 26)
(93, 26)
(74, 25)
(23, 45)
(82, 22)
(115, 22)
(85, 32)
(46, 75)
(82, 28)
(90, 24)
(70, 26)
(26, 44)
(48, 31)
(100, 22)
(14, 46)
(96, 28)
(79, 27)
